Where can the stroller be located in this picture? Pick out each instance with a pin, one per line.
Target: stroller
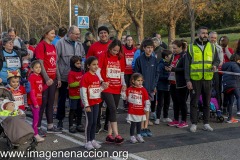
(14, 128)
(215, 110)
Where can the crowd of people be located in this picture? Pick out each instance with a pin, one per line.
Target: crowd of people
(146, 77)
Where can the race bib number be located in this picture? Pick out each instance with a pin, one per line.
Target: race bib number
(113, 73)
(19, 101)
(13, 62)
(129, 61)
(95, 93)
(135, 99)
(172, 76)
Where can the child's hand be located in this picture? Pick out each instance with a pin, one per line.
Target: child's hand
(49, 82)
(105, 85)
(0, 80)
(20, 112)
(36, 106)
(88, 109)
(124, 88)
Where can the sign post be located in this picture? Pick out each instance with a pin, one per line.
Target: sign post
(83, 22)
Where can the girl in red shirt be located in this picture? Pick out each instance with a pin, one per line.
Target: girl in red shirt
(35, 95)
(138, 104)
(111, 70)
(91, 97)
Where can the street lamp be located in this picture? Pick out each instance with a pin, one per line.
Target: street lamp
(70, 13)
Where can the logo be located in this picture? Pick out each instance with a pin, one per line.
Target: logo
(52, 61)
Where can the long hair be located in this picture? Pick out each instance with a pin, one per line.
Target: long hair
(113, 44)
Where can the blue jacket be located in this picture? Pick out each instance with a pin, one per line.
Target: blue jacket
(136, 55)
(229, 80)
(163, 82)
(55, 40)
(147, 66)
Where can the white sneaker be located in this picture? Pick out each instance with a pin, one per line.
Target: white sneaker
(193, 128)
(95, 144)
(207, 127)
(39, 138)
(150, 123)
(89, 145)
(166, 120)
(133, 139)
(140, 139)
(157, 121)
(238, 113)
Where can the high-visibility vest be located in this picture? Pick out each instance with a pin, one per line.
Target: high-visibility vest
(201, 66)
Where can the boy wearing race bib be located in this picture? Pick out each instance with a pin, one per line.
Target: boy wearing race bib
(74, 79)
(17, 90)
(138, 104)
(90, 91)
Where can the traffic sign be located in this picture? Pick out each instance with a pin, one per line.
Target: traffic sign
(83, 22)
(76, 10)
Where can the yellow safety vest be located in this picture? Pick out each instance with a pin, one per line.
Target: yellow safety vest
(201, 66)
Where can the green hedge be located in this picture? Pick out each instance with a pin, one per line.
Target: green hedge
(219, 31)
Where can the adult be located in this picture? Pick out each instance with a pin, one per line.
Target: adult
(89, 40)
(17, 41)
(45, 52)
(10, 58)
(201, 61)
(32, 44)
(157, 48)
(97, 49)
(66, 48)
(111, 70)
(61, 33)
(162, 44)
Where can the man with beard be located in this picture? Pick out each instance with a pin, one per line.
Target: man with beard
(201, 61)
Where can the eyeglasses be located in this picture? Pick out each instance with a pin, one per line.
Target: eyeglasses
(76, 34)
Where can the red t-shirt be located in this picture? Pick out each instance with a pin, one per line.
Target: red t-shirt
(74, 77)
(136, 98)
(18, 95)
(111, 68)
(129, 54)
(226, 59)
(31, 48)
(36, 82)
(92, 84)
(49, 57)
(98, 48)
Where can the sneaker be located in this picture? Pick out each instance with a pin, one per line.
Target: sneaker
(110, 139)
(183, 124)
(129, 122)
(207, 127)
(41, 132)
(150, 123)
(233, 120)
(148, 132)
(39, 138)
(173, 123)
(54, 129)
(72, 129)
(105, 128)
(167, 120)
(60, 125)
(80, 128)
(89, 145)
(119, 139)
(140, 139)
(98, 129)
(143, 133)
(153, 116)
(95, 144)
(157, 121)
(193, 128)
(133, 139)
(238, 113)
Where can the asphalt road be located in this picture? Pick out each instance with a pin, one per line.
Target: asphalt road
(167, 143)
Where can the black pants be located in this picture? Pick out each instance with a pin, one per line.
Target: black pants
(133, 126)
(228, 103)
(91, 121)
(217, 85)
(127, 78)
(99, 115)
(200, 87)
(75, 112)
(112, 101)
(153, 104)
(62, 96)
(48, 97)
(163, 102)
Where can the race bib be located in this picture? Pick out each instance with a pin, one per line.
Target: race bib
(129, 61)
(95, 93)
(172, 76)
(13, 62)
(19, 101)
(113, 73)
(135, 99)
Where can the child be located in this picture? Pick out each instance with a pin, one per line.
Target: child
(91, 97)
(163, 86)
(138, 104)
(74, 78)
(17, 90)
(35, 95)
(231, 85)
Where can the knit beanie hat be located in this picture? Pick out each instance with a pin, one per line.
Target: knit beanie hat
(103, 28)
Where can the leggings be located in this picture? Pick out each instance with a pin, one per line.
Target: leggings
(91, 121)
(153, 104)
(48, 97)
(62, 96)
(75, 112)
(35, 113)
(112, 101)
(163, 102)
(99, 116)
(132, 128)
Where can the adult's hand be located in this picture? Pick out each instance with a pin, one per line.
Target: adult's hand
(124, 88)
(189, 85)
(88, 109)
(59, 84)
(105, 85)
(49, 82)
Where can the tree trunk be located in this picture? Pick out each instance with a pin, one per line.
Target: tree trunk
(139, 29)
(119, 33)
(171, 32)
(192, 18)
